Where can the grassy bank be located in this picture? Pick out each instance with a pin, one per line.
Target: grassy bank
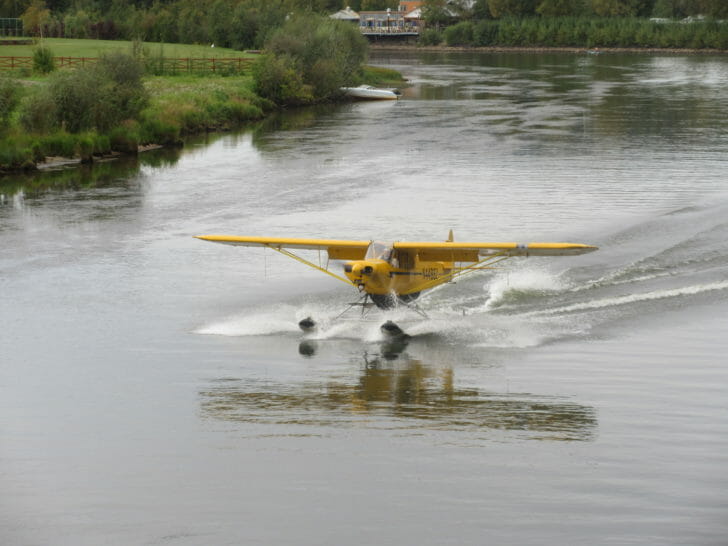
(95, 111)
(177, 106)
(65, 47)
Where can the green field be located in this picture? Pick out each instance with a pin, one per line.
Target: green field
(64, 47)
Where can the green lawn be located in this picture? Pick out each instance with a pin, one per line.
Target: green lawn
(63, 47)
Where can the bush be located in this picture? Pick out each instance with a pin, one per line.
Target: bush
(77, 96)
(125, 96)
(99, 97)
(485, 33)
(38, 112)
(430, 37)
(310, 58)
(9, 99)
(43, 60)
(460, 34)
(277, 79)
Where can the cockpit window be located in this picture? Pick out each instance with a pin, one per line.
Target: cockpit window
(379, 251)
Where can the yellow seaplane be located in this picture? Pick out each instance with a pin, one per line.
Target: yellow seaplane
(389, 274)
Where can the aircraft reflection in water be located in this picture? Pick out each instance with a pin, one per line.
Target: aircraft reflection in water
(401, 393)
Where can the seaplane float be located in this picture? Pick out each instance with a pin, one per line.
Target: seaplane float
(388, 275)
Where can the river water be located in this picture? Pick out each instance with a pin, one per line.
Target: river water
(154, 388)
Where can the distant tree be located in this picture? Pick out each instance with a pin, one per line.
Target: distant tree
(645, 7)
(318, 6)
(436, 13)
(77, 24)
(513, 8)
(13, 8)
(675, 9)
(191, 23)
(254, 20)
(619, 8)
(377, 5)
(58, 6)
(35, 17)
(159, 24)
(481, 10)
(556, 8)
(462, 9)
(715, 8)
(220, 23)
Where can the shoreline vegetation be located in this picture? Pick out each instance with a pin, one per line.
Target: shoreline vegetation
(121, 104)
(125, 102)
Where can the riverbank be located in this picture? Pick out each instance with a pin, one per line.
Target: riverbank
(179, 106)
(537, 50)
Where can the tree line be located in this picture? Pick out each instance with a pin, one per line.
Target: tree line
(582, 32)
(247, 24)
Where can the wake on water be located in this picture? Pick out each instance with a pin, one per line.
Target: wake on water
(662, 263)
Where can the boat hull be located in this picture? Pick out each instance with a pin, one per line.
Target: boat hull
(365, 92)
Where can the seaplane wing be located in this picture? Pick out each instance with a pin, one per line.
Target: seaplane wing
(448, 251)
(474, 252)
(336, 249)
(389, 274)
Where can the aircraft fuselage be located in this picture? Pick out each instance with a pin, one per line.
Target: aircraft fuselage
(386, 271)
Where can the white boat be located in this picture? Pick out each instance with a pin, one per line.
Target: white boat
(367, 92)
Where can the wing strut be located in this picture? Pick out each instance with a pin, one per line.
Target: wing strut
(485, 263)
(310, 264)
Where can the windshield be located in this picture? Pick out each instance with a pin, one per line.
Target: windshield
(379, 251)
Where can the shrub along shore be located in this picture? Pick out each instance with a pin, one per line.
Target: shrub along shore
(120, 104)
(176, 106)
(113, 106)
